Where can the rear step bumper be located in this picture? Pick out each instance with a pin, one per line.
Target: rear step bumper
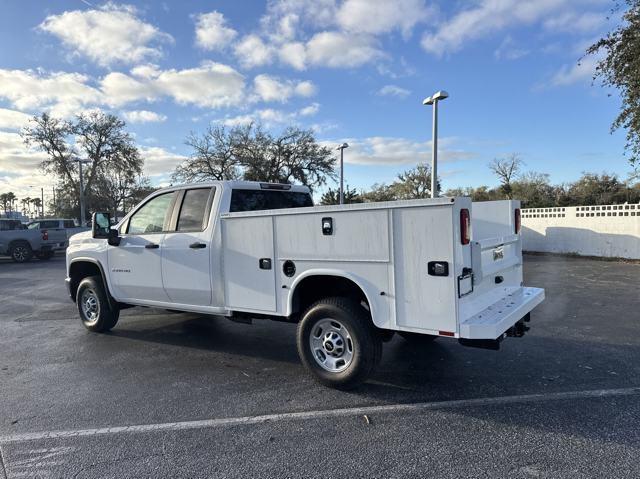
(496, 320)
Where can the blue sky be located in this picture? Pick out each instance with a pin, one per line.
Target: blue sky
(353, 70)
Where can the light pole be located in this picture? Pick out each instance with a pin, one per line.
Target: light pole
(341, 148)
(80, 163)
(433, 100)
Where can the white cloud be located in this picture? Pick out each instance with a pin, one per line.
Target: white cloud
(394, 90)
(490, 16)
(271, 117)
(12, 119)
(382, 16)
(580, 22)
(341, 50)
(293, 54)
(579, 72)
(509, 51)
(270, 88)
(379, 150)
(159, 162)
(29, 90)
(108, 35)
(310, 110)
(212, 32)
(210, 85)
(143, 116)
(20, 167)
(252, 52)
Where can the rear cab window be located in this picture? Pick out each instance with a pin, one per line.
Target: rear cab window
(195, 209)
(255, 200)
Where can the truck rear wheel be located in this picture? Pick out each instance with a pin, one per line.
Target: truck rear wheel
(95, 313)
(21, 252)
(338, 343)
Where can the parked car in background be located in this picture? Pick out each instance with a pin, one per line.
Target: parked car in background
(20, 243)
(58, 231)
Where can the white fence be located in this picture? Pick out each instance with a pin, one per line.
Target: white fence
(611, 231)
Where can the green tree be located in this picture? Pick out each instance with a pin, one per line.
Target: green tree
(332, 196)
(599, 189)
(95, 136)
(251, 153)
(534, 190)
(378, 192)
(620, 68)
(414, 183)
(294, 155)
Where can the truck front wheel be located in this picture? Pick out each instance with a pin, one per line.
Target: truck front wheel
(338, 343)
(95, 313)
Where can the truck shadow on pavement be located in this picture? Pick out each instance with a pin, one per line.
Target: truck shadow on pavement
(442, 370)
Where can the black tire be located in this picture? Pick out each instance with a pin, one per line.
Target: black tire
(21, 252)
(361, 342)
(95, 313)
(45, 255)
(417, 339)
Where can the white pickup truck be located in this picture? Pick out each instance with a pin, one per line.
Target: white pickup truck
(349, 275)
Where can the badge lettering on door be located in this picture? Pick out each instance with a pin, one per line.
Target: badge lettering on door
(498, 253)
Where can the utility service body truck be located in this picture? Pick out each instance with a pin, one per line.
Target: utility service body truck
(349, 275)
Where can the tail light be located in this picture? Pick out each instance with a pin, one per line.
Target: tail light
(465, 226)
(517, 221)
(45, 235)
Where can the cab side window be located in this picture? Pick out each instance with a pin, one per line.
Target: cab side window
(153, 216)
(69, 224)
(194, 212)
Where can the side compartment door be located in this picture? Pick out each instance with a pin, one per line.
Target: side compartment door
(249, 263)
(135, 265)
(186, 252)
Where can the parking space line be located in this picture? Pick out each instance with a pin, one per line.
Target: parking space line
(3, 470)
(319, 414)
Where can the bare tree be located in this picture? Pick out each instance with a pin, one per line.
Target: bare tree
(507, 170)
(212, 157)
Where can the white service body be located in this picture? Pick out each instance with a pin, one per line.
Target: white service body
(383, 248)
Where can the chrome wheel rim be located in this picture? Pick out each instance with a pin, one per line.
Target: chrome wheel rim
(331, 345)
(20, 253)
(90, 305)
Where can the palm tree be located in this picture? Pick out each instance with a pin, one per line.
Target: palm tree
(11, 197)
(4, 200)
(37, 204)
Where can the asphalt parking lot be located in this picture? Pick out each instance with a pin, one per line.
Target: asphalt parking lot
(177, 395)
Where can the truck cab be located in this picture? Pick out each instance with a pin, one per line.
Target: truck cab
(349, 275)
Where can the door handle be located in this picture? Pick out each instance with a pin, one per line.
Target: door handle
(151, 246)
(197, 245)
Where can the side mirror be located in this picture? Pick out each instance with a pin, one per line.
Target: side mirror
(101, 228)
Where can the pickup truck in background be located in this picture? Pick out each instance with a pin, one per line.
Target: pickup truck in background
(20, 243)
(58, 231)
(350, 276)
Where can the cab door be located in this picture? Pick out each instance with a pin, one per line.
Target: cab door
(135, 265)
(186, 252)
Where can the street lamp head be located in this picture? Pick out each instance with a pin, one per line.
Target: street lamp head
(440, 95)
(343, 146)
